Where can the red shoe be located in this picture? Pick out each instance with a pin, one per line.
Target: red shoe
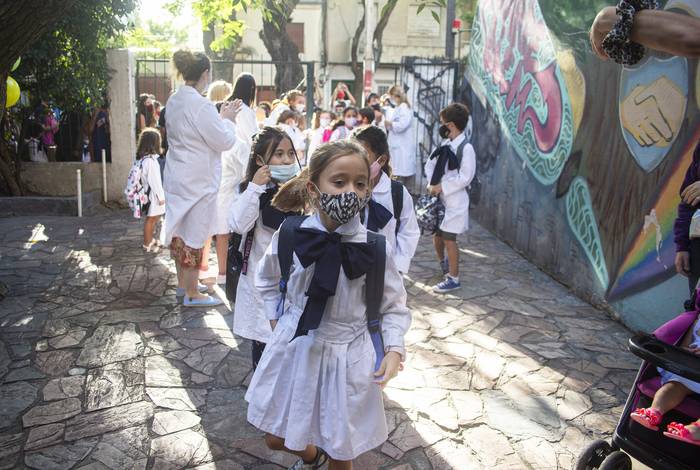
(650, 418)
(680, 432)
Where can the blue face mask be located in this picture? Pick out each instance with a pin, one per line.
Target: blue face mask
(284, 173)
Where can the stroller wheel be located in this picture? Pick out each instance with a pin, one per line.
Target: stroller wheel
(593, 455)
(617, 461)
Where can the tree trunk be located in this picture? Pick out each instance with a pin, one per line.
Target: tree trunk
(381, 25)
(280, 46)
(356, 65)
(10, 177)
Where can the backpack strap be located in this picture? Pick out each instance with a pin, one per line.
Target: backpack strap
(397, 202)
(285, 249)
(374, 292)
(460, 150)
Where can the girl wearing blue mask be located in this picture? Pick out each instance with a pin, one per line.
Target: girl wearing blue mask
(273, 161)
(317, 392)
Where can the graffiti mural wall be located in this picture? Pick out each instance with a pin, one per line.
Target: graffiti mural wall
(581, 160)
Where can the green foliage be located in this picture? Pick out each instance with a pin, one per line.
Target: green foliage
(570, 20)
(159, 38)
(68, 65)
(466, 9)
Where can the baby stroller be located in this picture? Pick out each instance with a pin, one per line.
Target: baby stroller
(652, 448)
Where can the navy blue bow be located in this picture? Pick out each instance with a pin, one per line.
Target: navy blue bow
(271, 216)
(377, 216)
(329, 253)
(445, 158)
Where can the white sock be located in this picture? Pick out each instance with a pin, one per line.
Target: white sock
(456, 279)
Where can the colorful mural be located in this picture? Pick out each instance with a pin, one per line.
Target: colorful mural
(516, 64)
(617, 143)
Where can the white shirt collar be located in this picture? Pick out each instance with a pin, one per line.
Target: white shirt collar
(349, 229)
(457, 142)
(383, 185)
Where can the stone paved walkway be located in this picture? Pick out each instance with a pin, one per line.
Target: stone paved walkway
(101, 369)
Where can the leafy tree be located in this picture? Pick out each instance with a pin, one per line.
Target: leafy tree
(159, 38)
(62, 44)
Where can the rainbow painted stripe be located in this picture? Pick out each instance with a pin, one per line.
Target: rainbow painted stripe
(643, 266)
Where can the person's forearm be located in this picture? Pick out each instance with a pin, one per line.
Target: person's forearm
(667, 31)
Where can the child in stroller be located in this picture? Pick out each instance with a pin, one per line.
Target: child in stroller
(674, 389)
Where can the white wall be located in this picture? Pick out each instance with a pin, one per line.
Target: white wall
(122, 95)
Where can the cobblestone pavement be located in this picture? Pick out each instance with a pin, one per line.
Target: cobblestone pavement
(100, 368)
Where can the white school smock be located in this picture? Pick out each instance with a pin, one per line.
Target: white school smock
(319, 389)
(233, 165)
(454, 183)
(298, 140)
(315, 141)
(151, 178)
(249, 319)
(196, 137)
(276, 113)
(403, 245)
(246, 124)
(402, 141)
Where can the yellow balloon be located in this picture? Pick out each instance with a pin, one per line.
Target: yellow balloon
(12, 92)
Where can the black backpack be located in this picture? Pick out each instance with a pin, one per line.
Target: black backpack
(374, 282)
(474, 188)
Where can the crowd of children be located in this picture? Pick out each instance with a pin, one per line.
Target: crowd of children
(321, 233)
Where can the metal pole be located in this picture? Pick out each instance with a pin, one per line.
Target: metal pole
(310, 83)
(449, 37)
(80, 193)
(104, 175)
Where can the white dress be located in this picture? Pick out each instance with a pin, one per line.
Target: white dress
(233, 166)
(249, 320)
(196, 137)
(246, 124)
(454, 183)
(319, 389)
(402, 141)
(667, 376)
(276, 113)
(402, 245)
(151, 179)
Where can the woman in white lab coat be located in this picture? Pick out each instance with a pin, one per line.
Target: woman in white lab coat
(402, 139)
(197, 135)
(246, 123)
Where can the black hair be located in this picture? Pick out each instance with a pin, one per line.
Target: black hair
(367, 113)
(376, 140)
(244, 89)
(265, 143)
(456, 113)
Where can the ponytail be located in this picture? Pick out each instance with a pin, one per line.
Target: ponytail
(292, 195)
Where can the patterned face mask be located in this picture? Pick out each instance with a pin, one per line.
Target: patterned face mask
(344, 206)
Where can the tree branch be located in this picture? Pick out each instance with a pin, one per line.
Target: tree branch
(381, 25)
(355, 65)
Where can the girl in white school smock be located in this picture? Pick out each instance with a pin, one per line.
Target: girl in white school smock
(272, 161)
(315, 392)
(380, 214)
(402, 138)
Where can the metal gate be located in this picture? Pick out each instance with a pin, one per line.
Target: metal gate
(430, 84)
(153, 76)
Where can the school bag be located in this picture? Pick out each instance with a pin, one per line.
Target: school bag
(374, 281)
(397, 202)
(474, 188)
(235, 261)
(136, 196)
(429, 213)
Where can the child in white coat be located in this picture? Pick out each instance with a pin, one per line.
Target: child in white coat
(272, 161)
(400, 229)
(316, 392)
(450, 169)
(147, 153)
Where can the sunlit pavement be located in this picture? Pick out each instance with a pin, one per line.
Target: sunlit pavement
(101, 368)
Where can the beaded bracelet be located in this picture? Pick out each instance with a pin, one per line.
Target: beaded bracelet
(617, 44)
